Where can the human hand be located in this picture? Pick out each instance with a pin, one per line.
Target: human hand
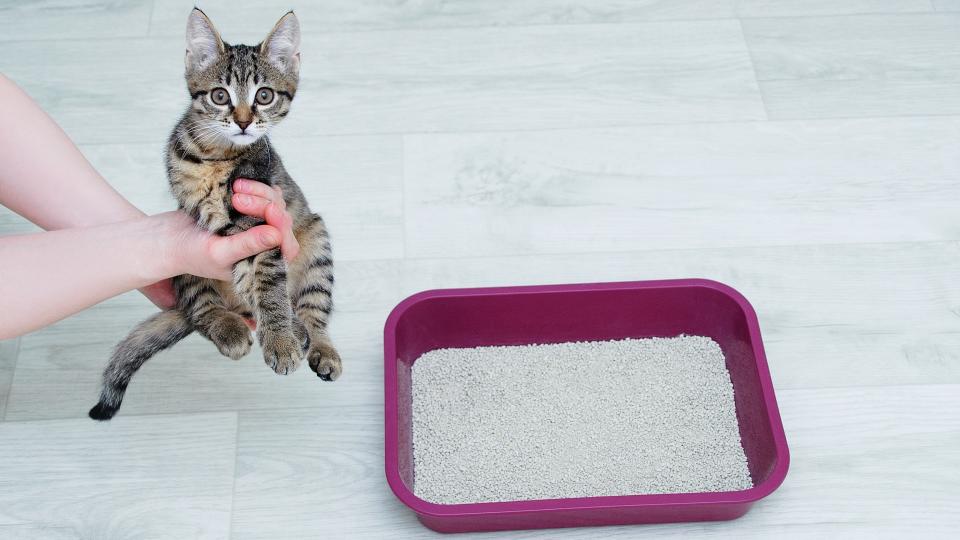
(190, 250)
(260, 200)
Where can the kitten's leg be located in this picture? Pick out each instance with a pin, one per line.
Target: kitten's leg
(206, 208)
(204, 306)
(311, 285)
(262, 281)
(147, 339)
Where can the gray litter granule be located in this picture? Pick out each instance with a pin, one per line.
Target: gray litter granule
(628, 417)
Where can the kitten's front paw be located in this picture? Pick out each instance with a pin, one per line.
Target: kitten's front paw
(213, 220)
(325, 361)
(231, 336)
(281, 351)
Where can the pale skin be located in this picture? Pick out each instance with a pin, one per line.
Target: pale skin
(98, 244)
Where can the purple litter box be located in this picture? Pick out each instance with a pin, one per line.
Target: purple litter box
(587, 312)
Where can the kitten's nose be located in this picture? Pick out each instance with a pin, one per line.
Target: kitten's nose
(243, 124)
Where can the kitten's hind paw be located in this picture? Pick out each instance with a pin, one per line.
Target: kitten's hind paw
(300, 331)
(325, 361)
(282, 352)
(102, 411)
(231, 335)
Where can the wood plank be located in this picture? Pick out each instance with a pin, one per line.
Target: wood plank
(679, 187)
(871, 65)
(39, 532)
(401, 81)
(530, 77)
(946, 5)
(136, 96)
(301, 471)
(355, 183)
(847, 99)
(351, 15)
(152, 476)
(8, 362)
(854, 452)
(96, 19)
(795, 8)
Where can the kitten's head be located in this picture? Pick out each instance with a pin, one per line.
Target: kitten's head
(239, 92)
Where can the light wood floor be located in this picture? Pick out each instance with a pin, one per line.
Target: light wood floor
(806, 152)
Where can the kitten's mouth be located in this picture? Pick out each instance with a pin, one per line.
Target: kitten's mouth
(243, 137)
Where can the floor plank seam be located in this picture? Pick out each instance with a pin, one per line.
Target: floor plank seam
(192, 413)
(848, 15)
(379, 406)
(396, 29)
(774, 118)
(643, 251)
(753, 69)
(153, 9)
(681, 249)
(13, 374)
(236, 460)
(592, 127)
(403, 195)
(733, 16)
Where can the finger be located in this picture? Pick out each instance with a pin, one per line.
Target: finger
(275, 215)
(279, 218)
(227, 250)
(259, 189)
(279, 199)
(250, 205)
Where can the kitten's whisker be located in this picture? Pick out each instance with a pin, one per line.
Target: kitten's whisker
(203, 134)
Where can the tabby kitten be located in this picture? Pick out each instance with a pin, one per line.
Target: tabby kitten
(238, 93)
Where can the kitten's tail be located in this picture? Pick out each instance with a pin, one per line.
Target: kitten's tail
(147, 339)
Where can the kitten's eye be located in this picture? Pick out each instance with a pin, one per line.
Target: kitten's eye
(264, 96)
(220, 96)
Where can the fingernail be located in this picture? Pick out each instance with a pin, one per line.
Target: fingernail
(238, 185)
(245, 199)
(271, 239)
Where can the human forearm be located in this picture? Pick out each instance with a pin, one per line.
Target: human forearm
(44, 177)
(45, 277)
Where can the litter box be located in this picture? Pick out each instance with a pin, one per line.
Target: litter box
(454, 318)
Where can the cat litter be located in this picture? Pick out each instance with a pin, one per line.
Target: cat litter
(586, 419)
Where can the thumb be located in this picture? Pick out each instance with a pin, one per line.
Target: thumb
(230, 249)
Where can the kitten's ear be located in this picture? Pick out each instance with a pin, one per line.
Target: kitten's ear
(282, 45)
(204, 45)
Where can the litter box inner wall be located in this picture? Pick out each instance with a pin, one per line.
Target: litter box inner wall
(543, 317)
(593, 315)
(414, 336)
(724, 320)
(752, 414)
(405, 423)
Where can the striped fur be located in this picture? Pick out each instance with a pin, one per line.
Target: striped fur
(210, 148)
(147, 339)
